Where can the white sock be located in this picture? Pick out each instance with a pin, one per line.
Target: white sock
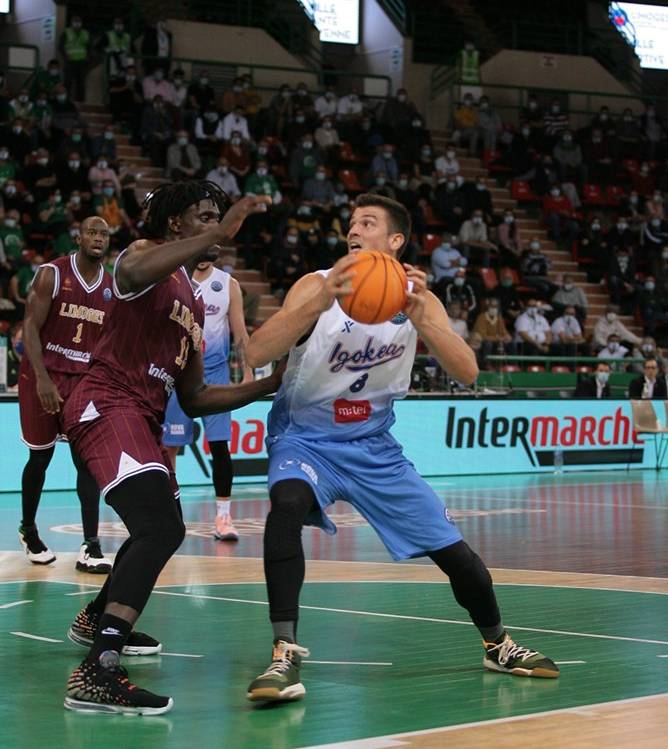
(223, 507)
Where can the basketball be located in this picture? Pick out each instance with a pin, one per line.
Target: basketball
(379, 288)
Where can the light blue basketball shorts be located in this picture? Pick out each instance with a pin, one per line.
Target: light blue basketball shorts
(375, 477)
(177, 431)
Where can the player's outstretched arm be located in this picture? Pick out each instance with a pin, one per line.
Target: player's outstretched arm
(199, 399)
(38, 306)
(145, 263)
(431, 321)
(312, 295)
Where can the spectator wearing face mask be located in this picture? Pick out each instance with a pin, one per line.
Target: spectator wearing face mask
(126, 99)
(66, 241)
(604, 122)
(341, 223)
(652, 130)
(628, 136)
(326, 104)
(412, 141)
(329, 251)
(52, 214)
(446, 259)
(506, 292)
(223, 177)
(621, 279)
(533, 114)
(180, 90)
(287, 262)
(559, 217)
(474, 239)
(200, 92)
(609, 324)
(567, 334)
(101, 172)
(397, 114)
(468, 66)
(621, 235)
(236, 122)
(65, 115)
(156, 130)
(12, 237)
(535, 268)
(458, 289)
(655, 207)
(652, 307)
(157, 42)
(318, 191)
(75, 43)
(643, 180)
(234, 96)
(47, 79)
(22, 108)
(570, 295)
(613, 349)
(596, 386)
(632, 209)
(304, 161)
(156, 84)
(510, 247)
(479, 198)
(490, 123)
(280, 112)
(646, 349)
(448, 163)
(350, 107)
(598, 157)
(7, 166)
(555, 123)
(451, 203)
(660, 270)
(457, 315)
(567, 156)
(16, 139)
(209, 133)
(327, 138)
(521, 155)
(117, 46)
(532, 331)
(649, 386)
(183, 159)
(262, 182)
(109, 206)
(105, 145)
(655, 236)
(491, 328)
(466, 125)
(384, 163)
(303, 101)
(39, 176)
(238, 157)
(19, 283)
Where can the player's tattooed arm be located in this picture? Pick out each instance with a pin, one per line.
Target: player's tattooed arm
(199, 399)
(38, 306)
(312, 295)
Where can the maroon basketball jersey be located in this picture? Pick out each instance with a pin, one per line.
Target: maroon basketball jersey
(146, 345)
(76, 318)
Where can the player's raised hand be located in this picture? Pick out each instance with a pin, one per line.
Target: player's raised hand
(238, 213)
(338, 282)
(417, 297)
(48, 395)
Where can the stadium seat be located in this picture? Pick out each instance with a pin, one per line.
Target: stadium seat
(583, 369)
(614, 195)
(510, 368)
(489, 278)
(522, 192)
(490, 160)
(429, 243)
(429, 217)
(631, 166)
(350, 180)
(347, 153)
(592, 194)
(535, 368)
(560, 368)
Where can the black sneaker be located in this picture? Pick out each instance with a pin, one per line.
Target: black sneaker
(84, 627)
(91, 558)
(510, 658)
(103, 687)
(36, 551)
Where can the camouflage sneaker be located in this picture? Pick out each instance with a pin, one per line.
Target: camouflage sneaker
(510, 658)
(280, 682)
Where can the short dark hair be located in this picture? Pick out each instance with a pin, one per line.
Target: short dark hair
(399, 218)
(174, 198)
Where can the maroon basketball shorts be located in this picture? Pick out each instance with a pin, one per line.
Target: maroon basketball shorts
(115, 440)
(39, 429)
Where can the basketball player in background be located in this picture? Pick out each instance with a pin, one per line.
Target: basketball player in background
(224, 313)
(114, 417)
(67, 307)
(321, 449)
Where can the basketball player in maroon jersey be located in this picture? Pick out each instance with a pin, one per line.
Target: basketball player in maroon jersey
(114, 419)
(68, 303)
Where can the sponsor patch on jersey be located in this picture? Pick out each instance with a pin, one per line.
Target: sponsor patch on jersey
(399, 319)
(106, 295)
(216, 286)
(346, 411)
(177, 429)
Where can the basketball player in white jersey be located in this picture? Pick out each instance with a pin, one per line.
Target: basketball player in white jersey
(224, 314)
(329, 439)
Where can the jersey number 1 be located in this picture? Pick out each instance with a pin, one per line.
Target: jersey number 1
(182, 358)
(77, 335)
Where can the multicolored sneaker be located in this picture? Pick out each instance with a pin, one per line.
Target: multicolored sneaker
(36, 551)
(510, 658)
(91, 559)
(280, 682)
(84, 627)
(103, 687)
(225, 531)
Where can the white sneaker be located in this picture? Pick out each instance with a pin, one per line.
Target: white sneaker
(91, 559)
(36, 551)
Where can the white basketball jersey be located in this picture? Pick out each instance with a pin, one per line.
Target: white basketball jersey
(341, 383)
(216, 297)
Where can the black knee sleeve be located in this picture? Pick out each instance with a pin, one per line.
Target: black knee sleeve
(291, 502)
(221, 468)
(471, 582)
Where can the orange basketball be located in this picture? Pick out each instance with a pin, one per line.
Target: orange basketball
(379, 288)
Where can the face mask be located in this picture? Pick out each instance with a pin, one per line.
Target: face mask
(633, 199)
(595, 227)
(554, 193)
(320, 176)
(569, 319)
(76, 24)
(366, 126)
(101, 164)
(204, 81)
(401, 97)
(535, 246)
(509, 219)
(627, 118)
(480, 187)
(532, 311)
(327, 125)
(108, 191)
(332, 241)
(74, 233)
(54, 72)
(76, 200)
(568, 287)
(622, 225)
(182, 141)
(449, 154)
(555, 108)
(210, 116)
(10, 190)
(345, 215)
(658, 198)
(157, 75)
(664, 254)
(450, 186)
(568, 138)
(130, 78)
(285, 94)
(380, 181)
(649, 286)
(17, 129)
(610, 316)
(602, 377)
(417, 123)
(493, 312)
(387, 154)
(108, 135)
(484, 105)
(477, 220)
(468, 102)
(222, 170)
(178, 82)
(403, 184)
(647, 347)
(656, 222)
(459, 281)
(292, 239)
(613, 346)
(57, 199)
(532, 105)
(459, 180)
(262, 172)
(23, 99)
(10, 223)
(526, 132)
(118, 28)
(235, 141)
(506, 282)
(644, 171)
(236, 89)
(262, 150)
(301, 91)
(596, 139)
(300, 120)
(307, 145)
(426, 153)
(4, 155)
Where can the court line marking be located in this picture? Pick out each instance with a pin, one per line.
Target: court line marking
(35, 637)
(14, 603)
(662, 656)
(568, 663)
(418, 618)
(393, 740)
(348, 663)
(181, 655)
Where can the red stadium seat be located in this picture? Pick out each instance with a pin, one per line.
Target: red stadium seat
(630, 165)
(429, 217)
(522, 192)
(347, 153)
(583, 369)
(560, 368)
(429, 243)
(592, 194)
(489, 278)
(535, 368)
(350, 180)
(510, 368)
(490, 160)
(614, 194)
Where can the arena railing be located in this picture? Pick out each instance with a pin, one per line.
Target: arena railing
(571, 361)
